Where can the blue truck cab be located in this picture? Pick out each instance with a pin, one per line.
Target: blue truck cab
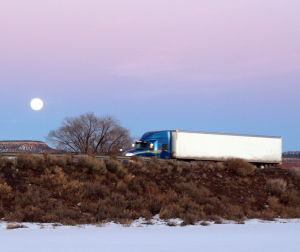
(152, 143)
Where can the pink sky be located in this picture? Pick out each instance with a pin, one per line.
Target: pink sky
(198, 40)
(151, 49)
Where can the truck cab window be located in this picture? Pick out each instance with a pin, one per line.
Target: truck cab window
(140, 146)
(164, 147)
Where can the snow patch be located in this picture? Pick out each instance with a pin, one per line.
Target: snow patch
(154, 235)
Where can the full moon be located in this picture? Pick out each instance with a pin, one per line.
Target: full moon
(36, 104)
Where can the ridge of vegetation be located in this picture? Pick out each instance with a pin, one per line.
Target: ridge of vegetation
(88, 190)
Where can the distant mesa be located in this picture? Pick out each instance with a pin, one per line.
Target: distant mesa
(26, 146)
(291, 154)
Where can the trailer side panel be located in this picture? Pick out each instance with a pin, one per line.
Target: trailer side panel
(215, 146)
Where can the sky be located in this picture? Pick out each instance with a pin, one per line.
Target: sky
(225, 66)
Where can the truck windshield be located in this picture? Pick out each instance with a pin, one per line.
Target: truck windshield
(141, 146)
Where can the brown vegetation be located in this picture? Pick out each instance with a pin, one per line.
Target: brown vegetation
(276, 186)
(239, 166)
(48, 189)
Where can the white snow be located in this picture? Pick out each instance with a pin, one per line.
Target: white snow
(254, 235)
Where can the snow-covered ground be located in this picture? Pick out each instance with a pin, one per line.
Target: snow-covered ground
(254, 235)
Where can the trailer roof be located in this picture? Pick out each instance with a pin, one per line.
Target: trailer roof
(216, 133)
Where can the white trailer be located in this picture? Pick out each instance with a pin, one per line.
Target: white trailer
(217, 147)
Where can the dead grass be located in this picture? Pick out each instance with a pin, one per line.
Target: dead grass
(240, 166)
(290, 212)
(121, 186)
(26, 161)
(189, 219)
(290, 198)
(51, 160)
(5, 191)
(116, 167)
(217, 220)
(204, 223)
(5, 162)
(15, 226)
(273, 203)
(171, 211)
(92, 165)
(276, 186)
(295, 172)
(126, 222)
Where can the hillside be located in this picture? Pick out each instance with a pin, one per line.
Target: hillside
(25, 146)
(89, 190)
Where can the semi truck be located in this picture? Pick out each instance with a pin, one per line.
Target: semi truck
(206, 146)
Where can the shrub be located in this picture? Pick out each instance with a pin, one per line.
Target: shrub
(15, 225)
(39, 159)
(94, 190)
(189, 219)
(291, 212)
(116, 167)
(4, 162)
(204, 223)
(217, 219)
(99, 167)
(234, 212)
(209, 167)
(239, 166)
(209, 209)
(5, 191)
(128, 178)
(295, 172)
(276, 186)
(121, 186)
(291, 198)
(30, 205)
(145, 170)
(169, 197)
(51, 160)
(69, 159)
(61, 162)
(220, 166)
(214, 206)
(268, 216)
(140, 162)
(60, 186)
(199, 195)
(125, 222)
(92, 165)
(26, 161)
(273, 203)
(145, 213)
(171, 211)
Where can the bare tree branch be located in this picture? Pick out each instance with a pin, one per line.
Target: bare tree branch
(90, 134)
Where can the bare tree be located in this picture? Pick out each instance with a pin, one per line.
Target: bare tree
(90, 134)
